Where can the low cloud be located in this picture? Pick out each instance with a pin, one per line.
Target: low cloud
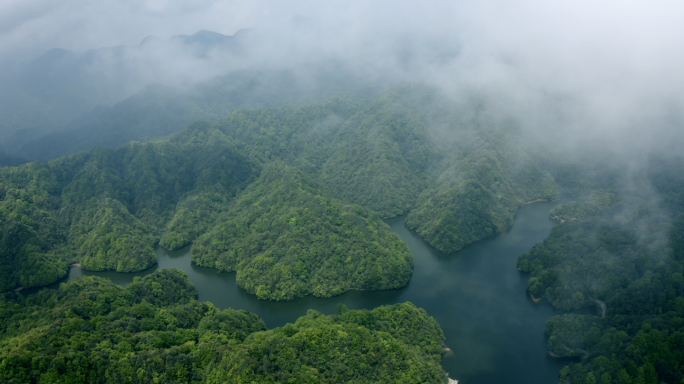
(575, 71)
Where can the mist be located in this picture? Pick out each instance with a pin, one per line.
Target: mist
(251, 128)
(570, 72)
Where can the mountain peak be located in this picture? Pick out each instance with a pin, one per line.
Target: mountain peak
(209, 34)
(202, 37)
(150, 40)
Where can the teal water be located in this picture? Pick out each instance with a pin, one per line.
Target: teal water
(477, 295)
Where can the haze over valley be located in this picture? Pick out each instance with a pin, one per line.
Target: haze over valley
(481, 191)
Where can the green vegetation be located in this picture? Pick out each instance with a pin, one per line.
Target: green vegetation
(597, 257)
(381, 157)
(287, 197)
(32, 130)
(299, 136)
(287, 234)
(284, 196)
(7, 160)
(31, 229)
(107, 209)
(291, 198)
(596, 202)
(479, 194)
(624, 252)
(155, 330)
(287, 240)
(620, 349)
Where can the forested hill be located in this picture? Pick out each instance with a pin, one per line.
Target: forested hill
(155, 330)
(292, 199)
(618, 248)
(289, 197)
(286, 240)
(158, 110)
(382, 157)
(107, 208)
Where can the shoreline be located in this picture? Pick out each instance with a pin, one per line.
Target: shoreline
(535, 201)
(536, 300)
(558, 219)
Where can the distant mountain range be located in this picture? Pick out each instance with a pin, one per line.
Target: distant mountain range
(55, 91)
(63, 101)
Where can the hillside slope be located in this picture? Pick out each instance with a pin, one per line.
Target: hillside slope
(286, 239)
(155, 330)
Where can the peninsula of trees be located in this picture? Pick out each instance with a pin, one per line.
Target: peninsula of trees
(154, 330)
(290, 198)
(619, 248)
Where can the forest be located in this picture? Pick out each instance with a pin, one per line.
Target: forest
(618, 249)
(155, 330)
(298, 192)
(290, 197)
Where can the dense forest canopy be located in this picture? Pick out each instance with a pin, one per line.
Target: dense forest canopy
(160, 110)
(154, 330)
(287, 240)
(289, 197)
(618, 247)
(277, 147)
(292, 197)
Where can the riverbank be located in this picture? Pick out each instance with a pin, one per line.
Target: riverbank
(535, 201)
(462, 291)
(558, 219)
(535, 299)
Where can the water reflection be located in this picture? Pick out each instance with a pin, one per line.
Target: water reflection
(478, 296)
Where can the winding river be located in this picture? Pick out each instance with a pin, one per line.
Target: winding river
(477, 295)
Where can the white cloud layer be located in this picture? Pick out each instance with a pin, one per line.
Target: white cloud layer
(618, 65)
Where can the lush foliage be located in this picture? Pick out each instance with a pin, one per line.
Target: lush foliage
(297, 136)
(596, 202)
(596, 258)
(291, 199)
(478, 195)
(393, 344)
(287, 240)
(623, 252)
(108, 208)
(380, 157)
(31, 231)
(620, 349)
(91, 331)
(61, 114)
(285, 196)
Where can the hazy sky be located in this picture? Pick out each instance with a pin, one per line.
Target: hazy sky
(648, 26)
(547, 40)
(609, 58)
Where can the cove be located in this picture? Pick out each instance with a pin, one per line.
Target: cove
(477, 295)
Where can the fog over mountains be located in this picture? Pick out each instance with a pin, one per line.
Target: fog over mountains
(58, 102)
(574, 71)
(273, 140)
(61, 90)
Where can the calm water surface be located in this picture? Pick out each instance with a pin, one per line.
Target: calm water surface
(477, 295)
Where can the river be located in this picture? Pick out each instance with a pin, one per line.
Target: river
(477, 295)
